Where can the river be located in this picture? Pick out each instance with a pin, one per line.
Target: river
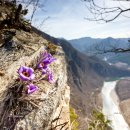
(111, 109)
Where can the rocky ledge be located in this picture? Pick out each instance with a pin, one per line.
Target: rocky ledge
(47, 108)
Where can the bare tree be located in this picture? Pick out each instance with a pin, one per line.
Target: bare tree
(101, 13)
(106, 14)
(37, 5)
(114, 49)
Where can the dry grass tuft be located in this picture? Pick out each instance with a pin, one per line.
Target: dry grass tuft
(15, 107)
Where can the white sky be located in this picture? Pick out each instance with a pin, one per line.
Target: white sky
(67, 20)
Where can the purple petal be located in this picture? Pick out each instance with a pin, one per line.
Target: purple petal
(46, 62)
(46, 59)
(50, 77)
(31, 88)
(40, 65)
(45, 69)
(32, 76)
(20, 70)
(30, 70)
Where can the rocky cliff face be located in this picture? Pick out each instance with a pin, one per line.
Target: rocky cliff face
(123, 92)
(46, 109)
(85, 78)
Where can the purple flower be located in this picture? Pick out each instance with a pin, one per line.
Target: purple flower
(45, 70)
(31, 88)
(46, 59)
(26, 73)
(50, 77)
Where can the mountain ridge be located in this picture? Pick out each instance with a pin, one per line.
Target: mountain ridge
(98, 46)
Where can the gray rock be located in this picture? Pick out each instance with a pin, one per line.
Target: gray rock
(48, 103)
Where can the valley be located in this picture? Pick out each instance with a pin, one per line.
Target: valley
(116, 109)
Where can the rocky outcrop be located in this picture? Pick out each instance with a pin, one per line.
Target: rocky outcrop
(46, 109)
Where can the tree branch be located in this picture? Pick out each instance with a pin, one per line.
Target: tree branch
(104, 13)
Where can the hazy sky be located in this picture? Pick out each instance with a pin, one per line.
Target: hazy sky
(67, 20)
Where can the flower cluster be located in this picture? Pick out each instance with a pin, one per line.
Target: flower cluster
(27, 75)
(44, 61)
